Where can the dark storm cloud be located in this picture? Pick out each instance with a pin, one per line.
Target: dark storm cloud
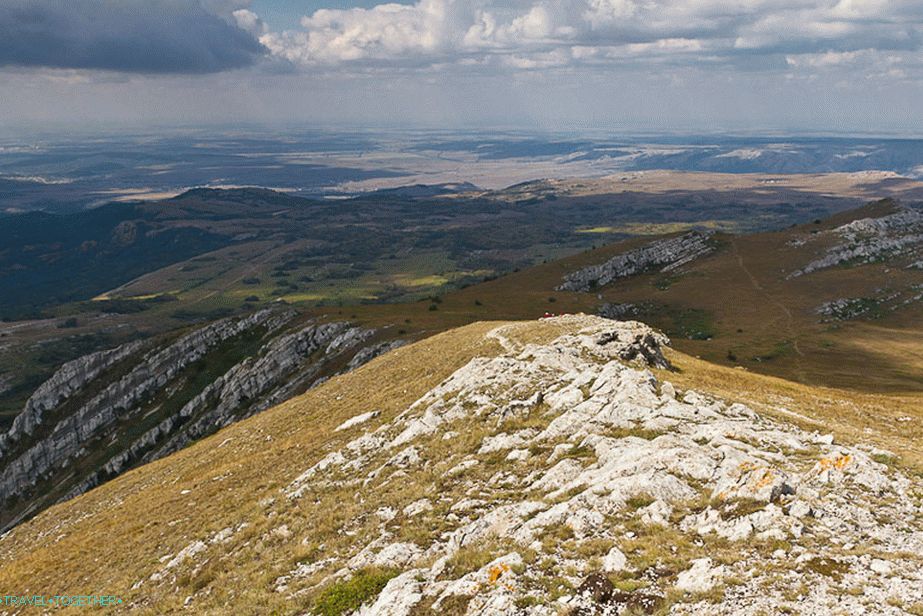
(141, 36)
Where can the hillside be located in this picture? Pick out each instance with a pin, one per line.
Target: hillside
(815, 304)
(111, 410)
(87, 281)
(741, 300)
(537, 467)
(223, 249)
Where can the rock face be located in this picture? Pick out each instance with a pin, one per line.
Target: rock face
(846, 309)
(617, 312)
(70, 378)
(147, 402)
(663, 255)
(894, 236)
(569, 465)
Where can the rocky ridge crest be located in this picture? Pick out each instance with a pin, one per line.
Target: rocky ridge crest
(600, 489)
(665, 255)
(84, 407)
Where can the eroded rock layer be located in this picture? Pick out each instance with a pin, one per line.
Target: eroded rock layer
(663, 255)
(109, 411)
(895, 236)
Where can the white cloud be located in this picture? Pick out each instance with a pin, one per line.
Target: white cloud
(526, 34)
(427, 29)
(746, 64)
(249, 21)
(826, 59)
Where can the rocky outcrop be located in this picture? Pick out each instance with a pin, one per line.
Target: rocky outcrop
(617, 312)
(664, 255)
(70, 378)
(74, 431)
(251, 386)
(576, 462)
(369, 353)
(868, 240)
(80, 413)
(846, 309)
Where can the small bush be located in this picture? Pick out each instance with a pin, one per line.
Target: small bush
(347, 596)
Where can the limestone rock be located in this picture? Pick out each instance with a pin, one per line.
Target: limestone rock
(612, 451)
(702, 576)
(285, 363)
(614, 561)
(398, 597)
(869, 239)
(665, 255)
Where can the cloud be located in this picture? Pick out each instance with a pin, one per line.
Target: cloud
(524, 34)
(139, 36)
(203, 36)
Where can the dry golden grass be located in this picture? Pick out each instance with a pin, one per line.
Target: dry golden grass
(110, 538)
(850, 415)
(117, 535)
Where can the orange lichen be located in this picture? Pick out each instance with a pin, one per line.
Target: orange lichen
(837, 463)
(765, 480)
(496, 572)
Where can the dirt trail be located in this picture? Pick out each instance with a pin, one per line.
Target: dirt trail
(789, 318)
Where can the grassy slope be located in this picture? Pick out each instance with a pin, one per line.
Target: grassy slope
(755, 317)
(326, 270)
(114, 535)
(108, 539)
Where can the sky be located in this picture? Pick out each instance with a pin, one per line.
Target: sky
(849, 66)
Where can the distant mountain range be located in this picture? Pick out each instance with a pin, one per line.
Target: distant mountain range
(64, 175)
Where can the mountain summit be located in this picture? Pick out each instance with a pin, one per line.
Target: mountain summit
(541, 467)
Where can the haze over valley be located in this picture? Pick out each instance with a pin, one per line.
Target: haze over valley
(47, 172)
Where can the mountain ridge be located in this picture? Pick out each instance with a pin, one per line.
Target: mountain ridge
(540, 403)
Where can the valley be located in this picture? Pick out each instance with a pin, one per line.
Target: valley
(232, 315)
(813, 304)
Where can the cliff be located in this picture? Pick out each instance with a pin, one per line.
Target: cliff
(106, 412)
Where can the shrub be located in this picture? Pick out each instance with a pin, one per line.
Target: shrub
(347, 596)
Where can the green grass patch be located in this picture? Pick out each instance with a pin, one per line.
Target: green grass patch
(347, 596)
